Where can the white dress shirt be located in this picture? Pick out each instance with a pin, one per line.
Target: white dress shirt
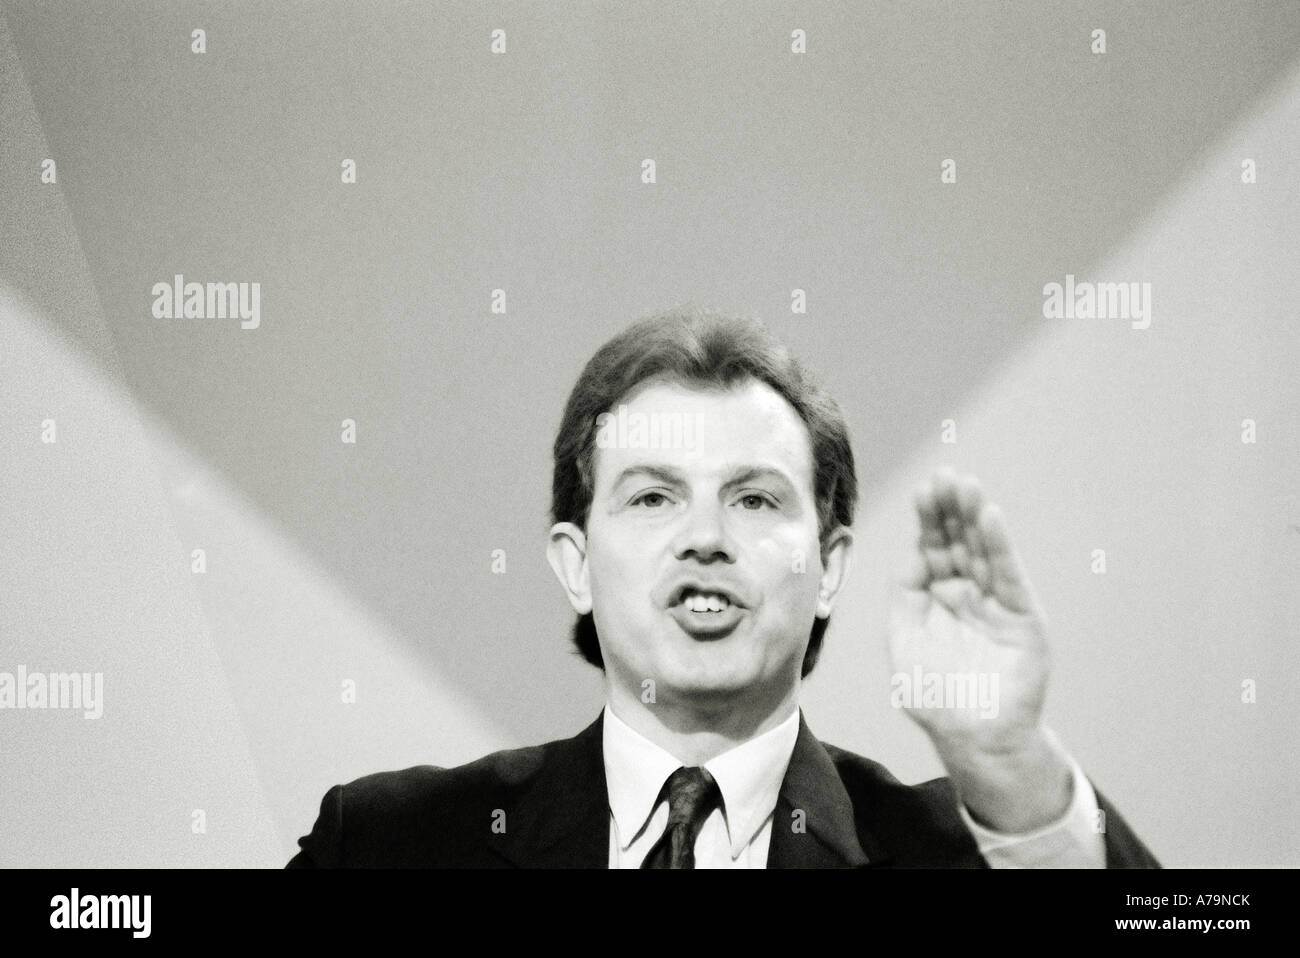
(749, 776)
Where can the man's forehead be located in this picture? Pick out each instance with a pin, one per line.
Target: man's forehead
(697, 429)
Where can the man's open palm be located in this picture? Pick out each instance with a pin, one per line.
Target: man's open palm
(967, 607)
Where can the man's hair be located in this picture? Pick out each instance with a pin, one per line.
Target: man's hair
(698, 348)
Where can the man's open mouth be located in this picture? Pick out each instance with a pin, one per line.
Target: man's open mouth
(704, 614)
(704, 595)
(705, 601)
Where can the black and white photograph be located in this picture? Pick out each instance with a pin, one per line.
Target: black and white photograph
(649, 435)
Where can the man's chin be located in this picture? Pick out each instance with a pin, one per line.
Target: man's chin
(709, 676)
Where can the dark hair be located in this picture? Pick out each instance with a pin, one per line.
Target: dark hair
(698, 347)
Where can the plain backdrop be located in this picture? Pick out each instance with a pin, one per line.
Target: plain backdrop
(372, 563)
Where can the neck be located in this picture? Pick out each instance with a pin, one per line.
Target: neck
(696, 730)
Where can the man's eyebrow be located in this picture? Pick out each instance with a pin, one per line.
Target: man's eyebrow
(664, 474)
(670, 476)
(760, 472)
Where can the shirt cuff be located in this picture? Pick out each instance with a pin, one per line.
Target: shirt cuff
(1072, 841)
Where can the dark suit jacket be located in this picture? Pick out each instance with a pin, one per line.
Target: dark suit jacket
(547, 807)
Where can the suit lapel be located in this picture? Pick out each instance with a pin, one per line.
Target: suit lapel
(814, 824)
(560, 818)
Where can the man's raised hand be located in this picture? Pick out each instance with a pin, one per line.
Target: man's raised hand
(967, 614)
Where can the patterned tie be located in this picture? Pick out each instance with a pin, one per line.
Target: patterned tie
(692, 797)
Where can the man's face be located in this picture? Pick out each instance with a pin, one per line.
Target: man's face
(703, 560)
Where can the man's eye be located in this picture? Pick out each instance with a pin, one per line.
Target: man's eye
(754, 501)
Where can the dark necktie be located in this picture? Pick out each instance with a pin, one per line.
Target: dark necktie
(692, 797)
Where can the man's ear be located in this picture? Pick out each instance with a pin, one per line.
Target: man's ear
(566, 551)
(837, 560)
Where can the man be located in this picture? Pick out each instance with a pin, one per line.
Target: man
(703, 496)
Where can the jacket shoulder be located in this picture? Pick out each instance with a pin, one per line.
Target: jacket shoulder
(902, 814)
(914, 826)
(419, 815)
(416, 787)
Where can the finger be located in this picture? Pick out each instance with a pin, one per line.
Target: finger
(1008, 581)
(927, 510)
(954, 493)
(970, 496)
(940, 562)
(980, 574)
(970, 499)
(959, 555)
(956, 595)
(933, 542)
(946, 497)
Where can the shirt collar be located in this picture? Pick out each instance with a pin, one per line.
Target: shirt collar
(748, 775)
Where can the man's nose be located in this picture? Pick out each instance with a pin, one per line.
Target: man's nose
(703, 534)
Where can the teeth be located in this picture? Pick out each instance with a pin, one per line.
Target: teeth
(706, 602)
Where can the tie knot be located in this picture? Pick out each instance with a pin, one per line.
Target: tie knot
(692, 797)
